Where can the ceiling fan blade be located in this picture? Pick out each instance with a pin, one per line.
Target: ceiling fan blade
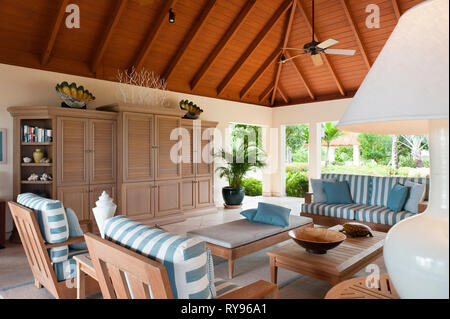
(340, 51)
(291, 58)
(293, 49)
(327, 43)
(317, 60)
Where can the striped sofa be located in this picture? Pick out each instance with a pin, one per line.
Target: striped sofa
(370, 195)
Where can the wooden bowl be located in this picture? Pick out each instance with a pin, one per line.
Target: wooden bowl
(317, 240)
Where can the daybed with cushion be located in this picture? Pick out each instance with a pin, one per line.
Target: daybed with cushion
(134, 256)
(370, 200)
(51, 237)
(242, 237)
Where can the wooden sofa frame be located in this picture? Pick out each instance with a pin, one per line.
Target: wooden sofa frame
(332, 221)
(38, 258)
(112, 261)
(231, 254)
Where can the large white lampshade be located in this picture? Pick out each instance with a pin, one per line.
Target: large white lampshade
(407, 92)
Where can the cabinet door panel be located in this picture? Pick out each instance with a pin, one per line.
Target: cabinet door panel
(137, 147)
(204, 192)
(205, 140)
(138, 200)
(188, 193)
(77, 198)
(103, 151)
(188, 166)
(165, 167)
(168, 198)
(72, 153)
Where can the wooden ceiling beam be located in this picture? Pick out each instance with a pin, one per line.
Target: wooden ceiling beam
(287, 34)
(327, 61)
(302, 77)
(191, 36)
(397, 11)
(232, 30)
(266, 65)
(357, 35)
(120, 8)
(55, 29)
(283, 96)
(254, 45)
(266, 93)
(159, 22)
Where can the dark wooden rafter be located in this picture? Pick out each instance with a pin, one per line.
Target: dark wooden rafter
(266, 92)
(357, 35)
(283, 96)
(266, 65)
(161, 19)
(243, 14)
(301, 76)
(191, 36)
(254, 45)
(287, 34)
(54, 32)
(397, 11)
(120, 8)
(327, 61)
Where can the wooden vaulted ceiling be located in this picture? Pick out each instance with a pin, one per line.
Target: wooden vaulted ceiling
(227, 49)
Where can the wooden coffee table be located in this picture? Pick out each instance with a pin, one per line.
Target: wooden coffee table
(336, 265)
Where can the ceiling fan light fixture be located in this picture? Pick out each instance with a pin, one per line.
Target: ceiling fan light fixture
(171, 16)
(283, 59)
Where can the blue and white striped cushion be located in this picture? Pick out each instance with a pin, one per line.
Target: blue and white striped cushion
(52, 221)
(359, 186)
(382, 185)
(67, 269)
(346, 211)
(185, 259)
(222, 286)
(380, 215)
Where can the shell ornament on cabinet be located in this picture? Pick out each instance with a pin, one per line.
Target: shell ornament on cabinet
(73, 96)
(193, 110)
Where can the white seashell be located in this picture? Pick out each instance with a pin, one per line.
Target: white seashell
(104, 210)
(27, 160)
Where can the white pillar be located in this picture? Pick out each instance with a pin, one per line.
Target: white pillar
(315, 144)
(356, 155)
(332, 154)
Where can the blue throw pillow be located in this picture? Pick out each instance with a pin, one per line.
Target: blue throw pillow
(337, 192)
(249, 213)
(415, 196)
(272, 214)
(397, 198)
(74, 229)
(319, 193)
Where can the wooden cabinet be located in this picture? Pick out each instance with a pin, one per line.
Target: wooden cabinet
(188, 194)
(138, 200)
(168, 197)
(138, 146)
(205, 151)
(77, 198)
(102, 151)
(166, 137)
(204, 190)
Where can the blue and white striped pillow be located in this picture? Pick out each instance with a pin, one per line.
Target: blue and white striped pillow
(185, 258)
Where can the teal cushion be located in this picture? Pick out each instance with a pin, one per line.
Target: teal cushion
(74, 229)
(249, 213)
(319, 193)
(415, 196)
(337, 192)
(397, 198)
(272, 214)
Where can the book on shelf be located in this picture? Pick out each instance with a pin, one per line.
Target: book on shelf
(34, 134)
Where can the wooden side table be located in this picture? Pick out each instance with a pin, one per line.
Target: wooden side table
(357, 289)
(2, 224)
(84, 268)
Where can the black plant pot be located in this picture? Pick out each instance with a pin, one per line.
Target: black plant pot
(233, 196)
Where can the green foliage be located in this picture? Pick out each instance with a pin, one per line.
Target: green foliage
(297, 184)
(253, 187)
(301, 156)
(406, 161)
(247, 134)
(297, 167)
(376, 147)
(297, 136)
(344, 154)
(239, 161)
(330, 132)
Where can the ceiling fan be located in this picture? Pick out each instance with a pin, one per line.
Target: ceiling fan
(315, 48)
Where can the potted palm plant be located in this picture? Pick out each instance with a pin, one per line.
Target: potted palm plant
(241, 159)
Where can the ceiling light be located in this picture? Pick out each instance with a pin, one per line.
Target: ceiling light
(171, 16)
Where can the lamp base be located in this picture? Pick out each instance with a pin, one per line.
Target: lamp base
(416, 250)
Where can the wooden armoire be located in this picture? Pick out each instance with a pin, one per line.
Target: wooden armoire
(124, 150)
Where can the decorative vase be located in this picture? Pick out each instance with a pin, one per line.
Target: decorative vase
(38, 155)
(233, 196)
(416, 250)
(104, 210)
